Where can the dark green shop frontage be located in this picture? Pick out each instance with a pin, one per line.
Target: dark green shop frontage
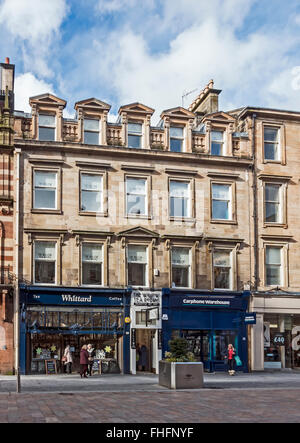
(209, 321)
(52, 318)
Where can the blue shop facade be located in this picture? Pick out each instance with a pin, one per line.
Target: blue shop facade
(209, 320)
(52, 318)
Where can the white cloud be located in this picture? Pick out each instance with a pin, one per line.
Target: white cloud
(112, 6)
(33, 24)
(207, 47)
(27, 85)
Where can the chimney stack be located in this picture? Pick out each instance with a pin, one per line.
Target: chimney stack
(7, 80)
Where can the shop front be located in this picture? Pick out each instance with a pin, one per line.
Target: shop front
(54, 318)
(209, 321)
(275, 341)
(145, 331)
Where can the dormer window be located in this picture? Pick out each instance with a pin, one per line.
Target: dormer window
(91, 131)
(47, 127)
(176, 139)
(217, 143)
(135, 131)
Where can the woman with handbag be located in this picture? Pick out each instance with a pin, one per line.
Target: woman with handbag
(230, 357)
(67, 360)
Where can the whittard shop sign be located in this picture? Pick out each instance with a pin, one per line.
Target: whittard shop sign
(75, 299)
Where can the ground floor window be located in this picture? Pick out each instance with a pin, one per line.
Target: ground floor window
(281, 341)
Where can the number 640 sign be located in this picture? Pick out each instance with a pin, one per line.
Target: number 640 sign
(279, 340)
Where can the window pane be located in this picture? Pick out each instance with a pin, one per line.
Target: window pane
(175, 145)
(217, 136)
(91, 274)
(92, 253)
(46, 120)
(47, 134)
(222, 278)
(179, 189)
(45, 179)
(91, 182)
(272, 193)
(176, 132)
(136, 186)
(45, 250)
(179, 207)
(44, 272)
(180, 256)
(271, 151)
(91, 138)
(180, 276)
(45, 199)
(220, 210)
(273, 275)
(136, 274)
(271, 134)
(134, 141)
(137, 254)
(216, 148)
(222, 258)
(273, 255)
(272, 213)
(221, 192)
(91, 124)
(136, 205)
(135, 128)
(91, 201)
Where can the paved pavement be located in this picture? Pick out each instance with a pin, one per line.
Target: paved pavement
(252, 398)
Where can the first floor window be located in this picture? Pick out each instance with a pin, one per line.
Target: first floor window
(137, 265)
(136, 197)
(179, 199)
(273, 266)
(273, 203)
(92, 259)
(222, 269)
(221, 202)
(91, 193)
(45, 189)
(45, 262)
(181, 267)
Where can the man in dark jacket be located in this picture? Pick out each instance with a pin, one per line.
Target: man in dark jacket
(84, 361)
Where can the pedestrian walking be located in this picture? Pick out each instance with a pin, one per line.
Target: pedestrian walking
(84, 361)
(91, 352)
(230, 357)
(67, 360)
(144, 357)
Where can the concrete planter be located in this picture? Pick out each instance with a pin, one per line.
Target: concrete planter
(187, 375)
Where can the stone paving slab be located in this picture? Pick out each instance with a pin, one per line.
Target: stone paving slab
(205, 406)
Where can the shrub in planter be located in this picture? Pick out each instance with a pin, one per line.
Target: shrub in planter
(179, 369)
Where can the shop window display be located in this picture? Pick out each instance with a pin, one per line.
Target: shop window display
(281, 341)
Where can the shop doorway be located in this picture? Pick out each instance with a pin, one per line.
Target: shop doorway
(210, 347)
(145, 350)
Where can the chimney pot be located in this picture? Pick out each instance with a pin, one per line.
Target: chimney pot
(7, 60)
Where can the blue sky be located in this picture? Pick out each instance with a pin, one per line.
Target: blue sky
(153, 51)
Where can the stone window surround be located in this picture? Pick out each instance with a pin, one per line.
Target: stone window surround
(192, 208)
(193, 246)
(228, 130)
(148, 179)
(104, 175)
(285, 262)
(282, 141)
(226, 245)
(283, 182)
(150, 244)
(232, 184)
(58, 171)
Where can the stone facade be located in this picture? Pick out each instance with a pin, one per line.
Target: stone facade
(6, 218)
